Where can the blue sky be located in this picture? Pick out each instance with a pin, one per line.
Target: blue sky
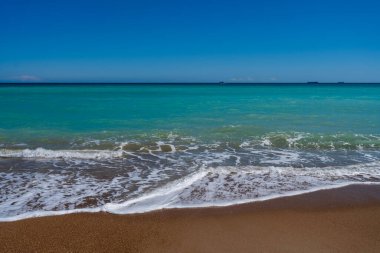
(174, 41)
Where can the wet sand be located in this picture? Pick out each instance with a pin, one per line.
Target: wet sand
(339, 220)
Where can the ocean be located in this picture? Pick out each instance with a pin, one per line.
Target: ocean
(136, 148)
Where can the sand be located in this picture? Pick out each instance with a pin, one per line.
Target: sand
(339, 220)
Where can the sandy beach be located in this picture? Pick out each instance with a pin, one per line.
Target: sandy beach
(338, 220)
(189, 126)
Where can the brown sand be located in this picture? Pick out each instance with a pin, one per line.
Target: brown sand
(340, 220)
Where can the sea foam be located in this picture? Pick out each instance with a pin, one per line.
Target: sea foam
(46, 153)
(208, 186)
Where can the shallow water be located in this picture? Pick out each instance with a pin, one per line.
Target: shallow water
(134, 148)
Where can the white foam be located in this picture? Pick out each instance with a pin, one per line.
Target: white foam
(150, 179)
(158, 199)
(47, 153)
(123, 208)
(213, 186)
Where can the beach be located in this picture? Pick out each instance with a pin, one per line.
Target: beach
(190, 168)
(345, 219)
(189, 127)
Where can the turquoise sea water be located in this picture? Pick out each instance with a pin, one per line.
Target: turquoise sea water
(127, 148)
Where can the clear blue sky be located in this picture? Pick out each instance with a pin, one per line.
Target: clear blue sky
(147, 41)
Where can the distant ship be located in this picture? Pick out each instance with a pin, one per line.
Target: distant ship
(313, 82)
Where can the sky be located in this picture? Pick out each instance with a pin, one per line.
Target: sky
(189, 41)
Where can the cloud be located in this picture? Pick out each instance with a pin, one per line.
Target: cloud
(247, 79)
(273, 78)
(242, 79)
(27, 78)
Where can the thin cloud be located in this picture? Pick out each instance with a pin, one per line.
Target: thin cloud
(27, 78)
(273, 78)
(242, 79)
(255, 79)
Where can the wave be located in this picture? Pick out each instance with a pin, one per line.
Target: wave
(46, 153)
(114, 148)
(172, 171)
(181, 142)
(124, 210)
(308, 141)
(208, 186)
(225, 186)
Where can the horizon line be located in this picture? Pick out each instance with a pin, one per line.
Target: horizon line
(189, 83)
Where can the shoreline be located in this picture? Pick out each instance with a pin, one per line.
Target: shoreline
(345, 219)
(104, 209)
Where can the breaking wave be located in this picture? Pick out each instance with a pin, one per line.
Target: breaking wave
(145, 174)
